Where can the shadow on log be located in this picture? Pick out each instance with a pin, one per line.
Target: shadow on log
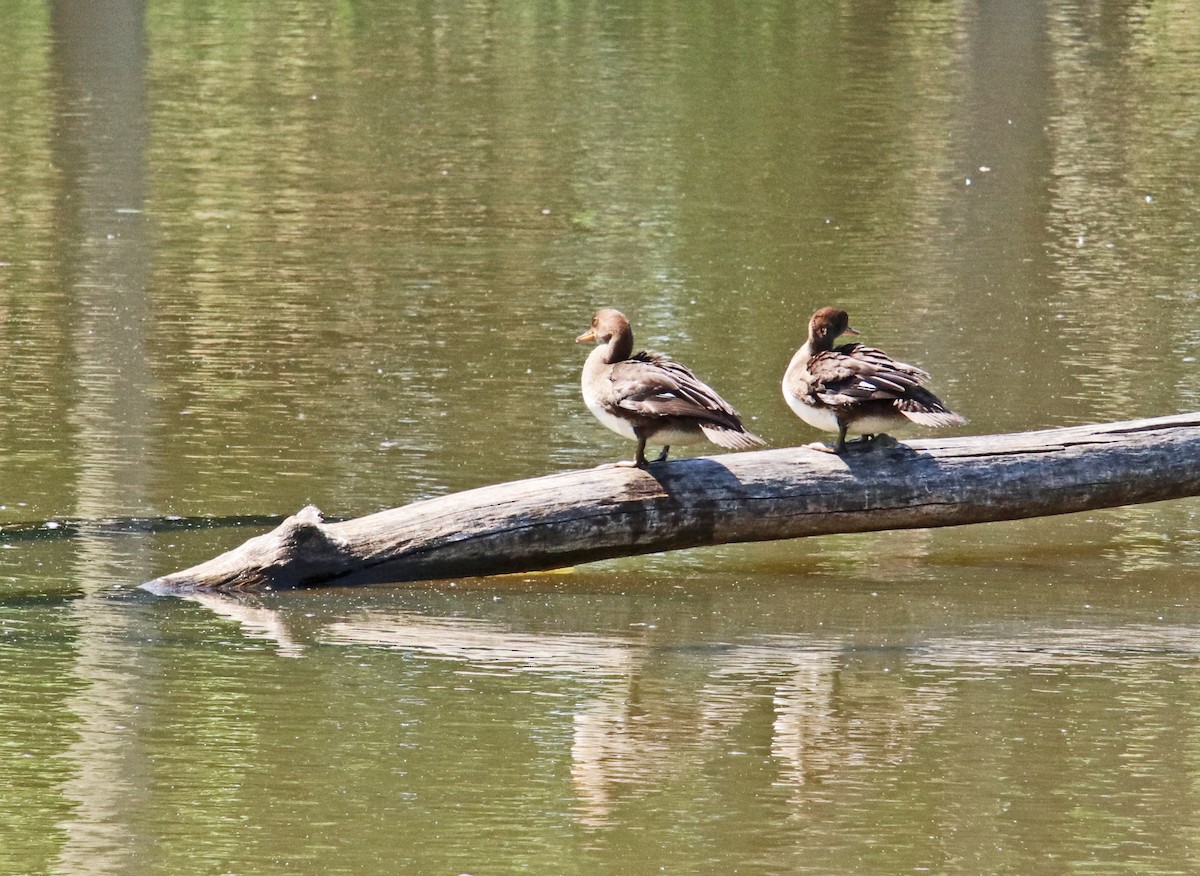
(581, 516)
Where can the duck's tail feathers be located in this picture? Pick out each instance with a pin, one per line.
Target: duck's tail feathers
(731, 439)
(935, 418)
(924, 408)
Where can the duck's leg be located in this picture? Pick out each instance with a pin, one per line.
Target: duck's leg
(662, 457)
(640, 459)
(839, 446)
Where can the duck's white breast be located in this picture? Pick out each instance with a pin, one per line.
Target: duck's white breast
(617, 424)
(818, 418)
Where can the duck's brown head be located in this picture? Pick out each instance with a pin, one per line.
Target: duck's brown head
(610, 327)
(826, 326)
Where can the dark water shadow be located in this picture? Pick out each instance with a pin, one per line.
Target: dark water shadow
(129, 525)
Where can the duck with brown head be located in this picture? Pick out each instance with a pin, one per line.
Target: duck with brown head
(855, 388)
(651, 399)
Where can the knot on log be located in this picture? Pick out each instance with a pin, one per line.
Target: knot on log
(303, 530)
(301, 548)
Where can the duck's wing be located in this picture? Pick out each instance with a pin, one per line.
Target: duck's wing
(854, 373)
(651, 385)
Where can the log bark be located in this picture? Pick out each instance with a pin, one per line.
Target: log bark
(580, 516)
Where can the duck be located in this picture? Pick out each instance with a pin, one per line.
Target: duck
(651, 398)
(855, 388)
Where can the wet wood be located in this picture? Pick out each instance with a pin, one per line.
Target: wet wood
(580, 516)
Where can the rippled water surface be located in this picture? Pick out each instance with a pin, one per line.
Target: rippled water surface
(257, 256)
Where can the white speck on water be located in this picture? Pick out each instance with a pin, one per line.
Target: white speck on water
(1189, 358)
(968, 180)
(1079, 242)
(545, 211)
(983, 168)
(1149, 198)
(51, 524)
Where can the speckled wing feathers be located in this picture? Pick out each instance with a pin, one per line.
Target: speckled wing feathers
(854, 374)
(651, 385)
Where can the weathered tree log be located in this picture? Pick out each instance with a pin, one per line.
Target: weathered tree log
(581, 516)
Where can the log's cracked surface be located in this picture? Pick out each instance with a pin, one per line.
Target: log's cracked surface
(581, 516)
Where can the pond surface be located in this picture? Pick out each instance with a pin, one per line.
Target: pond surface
(257, 256)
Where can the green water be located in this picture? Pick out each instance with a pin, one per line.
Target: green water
(257, 256)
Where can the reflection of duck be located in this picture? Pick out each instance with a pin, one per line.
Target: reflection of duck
(855, 388)
(647, 397)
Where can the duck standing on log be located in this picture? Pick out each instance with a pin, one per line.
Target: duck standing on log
(856, 388)
(650, 398)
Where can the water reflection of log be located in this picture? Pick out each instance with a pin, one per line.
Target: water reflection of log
(819, 707)
(583, 516)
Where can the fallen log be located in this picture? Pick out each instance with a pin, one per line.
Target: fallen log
(580, 516)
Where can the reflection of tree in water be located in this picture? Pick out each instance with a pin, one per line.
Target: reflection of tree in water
(837, 711)
(103, 258)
